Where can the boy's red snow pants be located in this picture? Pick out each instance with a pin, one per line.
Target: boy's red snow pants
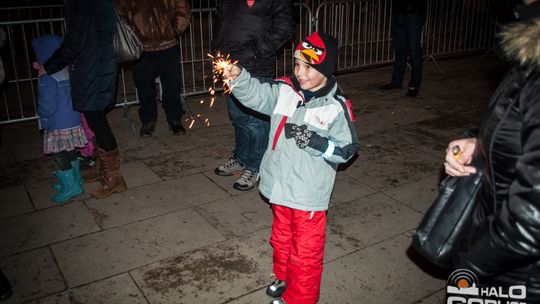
(298, 240)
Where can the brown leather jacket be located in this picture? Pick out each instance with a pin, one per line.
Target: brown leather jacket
(158, 23)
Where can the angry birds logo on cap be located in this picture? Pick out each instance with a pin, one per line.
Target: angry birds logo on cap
(312, 50)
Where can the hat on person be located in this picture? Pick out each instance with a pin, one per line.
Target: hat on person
(320, 51)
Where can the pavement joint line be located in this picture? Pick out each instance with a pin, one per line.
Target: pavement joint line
(138, 287)
(429, 295)
(156, 216)
(364, 248)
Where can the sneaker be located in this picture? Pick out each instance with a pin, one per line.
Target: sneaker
(229, 167)
(278, 301)
(147, 128)
(247, 181)
(86, 161)
(412, 92)
(389, 86)
(276, 289)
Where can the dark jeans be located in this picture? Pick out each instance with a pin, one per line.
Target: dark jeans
(407, 35)
(166, 65)
(250, 132)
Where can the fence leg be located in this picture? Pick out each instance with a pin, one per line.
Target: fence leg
(432, 59)
(127, 115)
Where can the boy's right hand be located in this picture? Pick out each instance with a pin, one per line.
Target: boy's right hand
(232, 72)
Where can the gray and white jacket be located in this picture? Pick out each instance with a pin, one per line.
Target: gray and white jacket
(301, 179)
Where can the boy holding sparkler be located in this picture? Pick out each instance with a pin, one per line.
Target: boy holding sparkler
(311, 133)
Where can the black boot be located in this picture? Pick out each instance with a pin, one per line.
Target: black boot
(176, 127)
(5, 287)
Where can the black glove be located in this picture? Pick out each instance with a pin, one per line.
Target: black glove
(304, 137)
(300, 134)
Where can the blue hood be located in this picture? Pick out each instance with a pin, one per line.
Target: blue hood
(45, 46)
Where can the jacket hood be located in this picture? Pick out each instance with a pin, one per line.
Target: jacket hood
(521, 42)
(45, 46)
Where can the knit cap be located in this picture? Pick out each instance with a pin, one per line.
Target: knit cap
(320, 51)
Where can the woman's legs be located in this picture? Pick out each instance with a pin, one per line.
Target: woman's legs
(108, 156)
(98, 123)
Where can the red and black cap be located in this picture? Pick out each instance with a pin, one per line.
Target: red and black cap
(320, 51)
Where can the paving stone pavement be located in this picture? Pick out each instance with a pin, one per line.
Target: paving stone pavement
(181, 234)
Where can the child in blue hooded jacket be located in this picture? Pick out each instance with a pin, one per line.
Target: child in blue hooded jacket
(62, 131)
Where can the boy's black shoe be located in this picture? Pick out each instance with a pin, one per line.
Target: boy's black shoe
(5, 287)
(278, 301)
(412, 92)
(147, 128)
(389, 86)
(276, 289)
(177, 128)
(86, 161)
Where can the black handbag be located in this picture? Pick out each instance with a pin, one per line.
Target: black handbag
(448, 219)
(128, 46)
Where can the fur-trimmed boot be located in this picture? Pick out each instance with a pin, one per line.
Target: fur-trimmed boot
(93, 174)
(111, 180)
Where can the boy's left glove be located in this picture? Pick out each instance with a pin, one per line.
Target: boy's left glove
(304, 137)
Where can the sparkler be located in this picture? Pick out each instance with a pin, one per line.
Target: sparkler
(221, 66)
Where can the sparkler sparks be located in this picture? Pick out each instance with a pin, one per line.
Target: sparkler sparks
(222, 64)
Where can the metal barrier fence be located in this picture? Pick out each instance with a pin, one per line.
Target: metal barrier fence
(362, 27)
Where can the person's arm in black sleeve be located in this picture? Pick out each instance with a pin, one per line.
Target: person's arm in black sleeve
(216, 27)
(512, 237)
(283, 27)
(77, 24)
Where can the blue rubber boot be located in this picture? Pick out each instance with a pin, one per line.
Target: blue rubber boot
(74, 164)
(70, 186)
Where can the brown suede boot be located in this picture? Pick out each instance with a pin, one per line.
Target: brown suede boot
(112, 179)
(94, 173)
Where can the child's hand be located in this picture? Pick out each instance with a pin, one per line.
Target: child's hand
(301, 134)
(39, 68)
(232, 72)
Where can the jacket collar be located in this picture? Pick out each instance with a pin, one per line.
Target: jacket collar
(521, 42)
(330, 84)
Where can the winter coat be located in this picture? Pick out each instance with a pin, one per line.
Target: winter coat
(504, 242)
(409, 7)
(253, 35)
(88, 49)
(54, 101)
(158, 23)
(299, 178)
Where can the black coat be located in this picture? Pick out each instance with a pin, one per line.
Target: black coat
(254, 35)
(409, 7)
(88, 48)
(504, 242)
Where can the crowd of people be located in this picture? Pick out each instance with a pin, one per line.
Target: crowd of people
(292, 132)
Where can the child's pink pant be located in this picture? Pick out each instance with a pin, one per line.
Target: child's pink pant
(298, 240)
(88, 150)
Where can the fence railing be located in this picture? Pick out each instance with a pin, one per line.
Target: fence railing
(362, 27)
